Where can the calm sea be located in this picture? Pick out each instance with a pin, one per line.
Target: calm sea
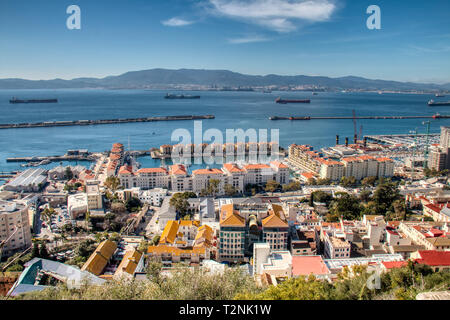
(232, 110)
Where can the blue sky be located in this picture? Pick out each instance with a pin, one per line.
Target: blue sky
(312, 37)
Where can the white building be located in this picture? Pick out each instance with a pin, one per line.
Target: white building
(31, 180)
(14, 227)
(77, 204)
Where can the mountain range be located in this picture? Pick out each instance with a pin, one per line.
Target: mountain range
(218, 78)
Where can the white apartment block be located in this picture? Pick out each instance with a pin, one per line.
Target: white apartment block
(177, 179)
(14, 227)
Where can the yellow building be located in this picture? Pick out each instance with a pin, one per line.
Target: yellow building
(99, 259)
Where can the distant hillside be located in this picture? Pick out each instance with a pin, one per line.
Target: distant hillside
(220, 78)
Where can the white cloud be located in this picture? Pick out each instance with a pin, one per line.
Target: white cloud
(176, 22)
(248, 39)
(278, 15)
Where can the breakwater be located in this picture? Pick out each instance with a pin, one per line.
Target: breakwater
(102, 121)
(436, 116)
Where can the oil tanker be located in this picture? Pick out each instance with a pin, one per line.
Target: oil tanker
(180, 96)
(432, 103)
(15, 100)
(284, 101)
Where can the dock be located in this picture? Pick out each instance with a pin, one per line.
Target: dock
(436, 116)
(103, 121)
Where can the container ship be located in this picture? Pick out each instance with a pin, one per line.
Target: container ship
(434, 103)
(180, 96)
(15, 100)
(284, 101)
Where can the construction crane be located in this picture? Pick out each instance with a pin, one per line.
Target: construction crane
(355, 132)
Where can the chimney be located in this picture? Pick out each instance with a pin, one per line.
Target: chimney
(337, 139)
(346, 141)
(355, 138)
(365, 142)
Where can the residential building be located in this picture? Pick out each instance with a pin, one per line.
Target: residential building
(98, 260)
(15, 229)
(132, 263)
(437, 260)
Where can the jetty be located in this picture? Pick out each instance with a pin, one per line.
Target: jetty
(436, 116)
(102, 121)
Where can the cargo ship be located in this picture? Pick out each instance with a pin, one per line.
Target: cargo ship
(434, 103)
(15, 100)
(284, 101)
(180, 96)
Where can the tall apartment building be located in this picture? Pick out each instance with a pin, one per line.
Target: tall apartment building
(359, 167)
(439, 158)
(14, 227)
(240, 230)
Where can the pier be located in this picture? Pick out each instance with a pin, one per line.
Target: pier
(104, 121)
(436, 116)
(49, 159)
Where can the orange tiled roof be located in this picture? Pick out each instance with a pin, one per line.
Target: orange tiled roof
(273, 221)
(383, 159)
(329, 162)
(170, 232)
(308, 175)
(129, 262)
(126, 170)
(279, 164)
(231, 167)
(231, 217)
(99, 259)
(152, 170)
(178, 169)
(207, 171)
(256, 166)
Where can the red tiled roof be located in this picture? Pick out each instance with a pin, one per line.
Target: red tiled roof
(306, 265)
(394, 264)
(434, 258)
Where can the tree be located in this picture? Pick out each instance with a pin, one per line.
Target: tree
(229, 190)
(384, 196)
(292, 186)
(369, 181)
(112, 183)
(312, 182)
(346, 206)
(68, 174)
(348, 181)
(271, 186)
(133, 204)
(365, 195)
(179, 202)
(213, 187)
(155, 240)
(118, 207)
(43, 253)
(324, 181)
(35, 250)
(320, 196)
